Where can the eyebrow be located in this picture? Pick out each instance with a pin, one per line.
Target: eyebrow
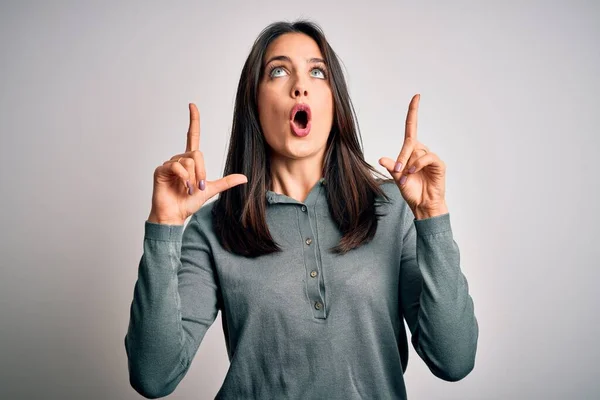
(286, 58)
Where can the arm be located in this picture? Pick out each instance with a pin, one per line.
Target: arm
(435, 298)
(174, 304)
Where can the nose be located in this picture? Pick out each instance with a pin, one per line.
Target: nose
(299, 89)
(297, 92)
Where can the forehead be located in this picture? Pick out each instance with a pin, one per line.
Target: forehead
(293, 45)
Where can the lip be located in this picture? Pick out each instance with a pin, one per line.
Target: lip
(295, 130)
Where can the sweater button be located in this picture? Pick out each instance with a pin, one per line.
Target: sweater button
(308, 241)
(313, 273)
(303, 209)
(318, 305)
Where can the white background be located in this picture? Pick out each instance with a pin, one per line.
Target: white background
(93, 97)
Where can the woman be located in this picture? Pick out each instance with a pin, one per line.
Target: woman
(312, 261)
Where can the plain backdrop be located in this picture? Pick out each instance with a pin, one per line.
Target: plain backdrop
(94, 96)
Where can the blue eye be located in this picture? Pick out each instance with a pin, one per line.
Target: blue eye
(316, 72)
(273, 73)
(320, 71)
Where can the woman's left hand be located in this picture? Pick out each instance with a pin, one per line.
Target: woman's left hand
(419, 174)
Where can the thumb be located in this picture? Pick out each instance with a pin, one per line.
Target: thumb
(389, 164)
(227, 182)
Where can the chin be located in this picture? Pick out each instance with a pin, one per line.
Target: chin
(297, 148)
(303, 151)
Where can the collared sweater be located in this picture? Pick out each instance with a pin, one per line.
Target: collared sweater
(303, 323)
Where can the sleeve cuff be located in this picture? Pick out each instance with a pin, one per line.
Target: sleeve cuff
(169, 233)
(433, 225)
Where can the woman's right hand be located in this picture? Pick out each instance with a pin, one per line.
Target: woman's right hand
(180, 186)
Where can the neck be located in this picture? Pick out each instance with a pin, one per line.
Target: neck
(295, 178)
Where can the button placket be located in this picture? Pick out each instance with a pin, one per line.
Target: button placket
(309, 247)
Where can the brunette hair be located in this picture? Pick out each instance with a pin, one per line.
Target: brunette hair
(239, 213)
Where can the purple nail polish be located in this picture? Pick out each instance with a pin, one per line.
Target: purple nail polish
(187, 183)
(403, 179)
(202, 184)
(412, 169)
(398, 166)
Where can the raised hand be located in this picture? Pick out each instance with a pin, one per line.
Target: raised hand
(419, 174)
(180, 186)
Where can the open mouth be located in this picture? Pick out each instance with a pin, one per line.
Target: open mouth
(300, 118)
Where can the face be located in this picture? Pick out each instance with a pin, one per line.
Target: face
(295, 73)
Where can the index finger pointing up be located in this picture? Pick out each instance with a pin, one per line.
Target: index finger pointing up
(411, 118)
(193, 135)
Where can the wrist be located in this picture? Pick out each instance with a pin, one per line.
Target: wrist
(423, 213)
(156, 219)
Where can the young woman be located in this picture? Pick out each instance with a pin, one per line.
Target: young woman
(312, 260)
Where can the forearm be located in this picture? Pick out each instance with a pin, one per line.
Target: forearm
(435, 298)
(154, 340)
(447, 327)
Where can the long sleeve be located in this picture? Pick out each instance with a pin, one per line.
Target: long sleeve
(435, 298)
(174, 304)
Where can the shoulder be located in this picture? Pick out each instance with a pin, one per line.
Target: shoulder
(204, 214)
(391, 191)
(201, 222)
(389, 188)
(395, 208)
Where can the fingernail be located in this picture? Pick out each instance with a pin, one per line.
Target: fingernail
(187, 183)
(398, 166)
(403, 179)
(202, 184)
(412, 169)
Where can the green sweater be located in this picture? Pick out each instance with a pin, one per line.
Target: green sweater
(304, 323)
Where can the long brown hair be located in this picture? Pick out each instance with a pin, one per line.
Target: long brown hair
(239, 214)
